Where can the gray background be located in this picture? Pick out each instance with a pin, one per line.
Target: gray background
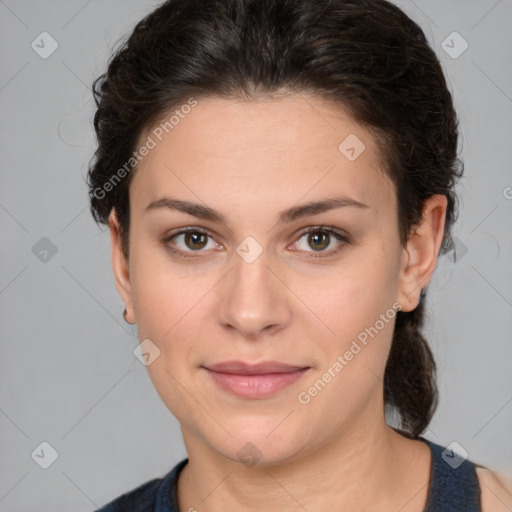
(68, 374)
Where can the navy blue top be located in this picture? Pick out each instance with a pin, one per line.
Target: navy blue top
(453, 487)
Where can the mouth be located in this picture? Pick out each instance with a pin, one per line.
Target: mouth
(260, 380)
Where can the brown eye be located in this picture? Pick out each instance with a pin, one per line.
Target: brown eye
(195, 240)
(186, 242)
(318, 240)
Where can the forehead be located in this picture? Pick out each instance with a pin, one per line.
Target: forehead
(286, 147)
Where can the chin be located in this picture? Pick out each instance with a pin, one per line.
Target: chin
(265, 441)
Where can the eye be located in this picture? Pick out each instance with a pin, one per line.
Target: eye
(194, 240)
(319, 238)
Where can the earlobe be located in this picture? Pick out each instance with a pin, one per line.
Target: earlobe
(419, 256)
(120, 266)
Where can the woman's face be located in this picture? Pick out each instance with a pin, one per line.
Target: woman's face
(256, 287)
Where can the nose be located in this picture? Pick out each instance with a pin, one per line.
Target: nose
(254, 300)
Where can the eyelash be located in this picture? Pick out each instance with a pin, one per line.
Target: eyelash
(322, 229)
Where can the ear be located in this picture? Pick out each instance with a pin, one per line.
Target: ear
(419, 256)
(120, 266)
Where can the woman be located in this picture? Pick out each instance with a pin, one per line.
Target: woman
(278, 178)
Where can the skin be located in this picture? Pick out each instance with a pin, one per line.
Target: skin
(250, 161)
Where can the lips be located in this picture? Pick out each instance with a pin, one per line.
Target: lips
(251, 381)
(264, 368)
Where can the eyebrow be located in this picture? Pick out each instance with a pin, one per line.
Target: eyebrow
(289, 215)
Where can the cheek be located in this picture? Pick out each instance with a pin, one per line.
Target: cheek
(171, 308)
(358, 308)
(170, 313)
(160, 296)
(356, 304)
(351, 296)
(168, 308)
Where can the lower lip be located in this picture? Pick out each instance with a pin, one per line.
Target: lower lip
(256, 386)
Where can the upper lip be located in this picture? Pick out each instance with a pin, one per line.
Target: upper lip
(241, 368)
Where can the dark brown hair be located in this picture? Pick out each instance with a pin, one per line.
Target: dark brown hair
(366, 55)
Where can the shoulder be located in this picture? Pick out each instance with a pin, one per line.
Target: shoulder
(140, 499)
(496, 490)
(149, 496)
